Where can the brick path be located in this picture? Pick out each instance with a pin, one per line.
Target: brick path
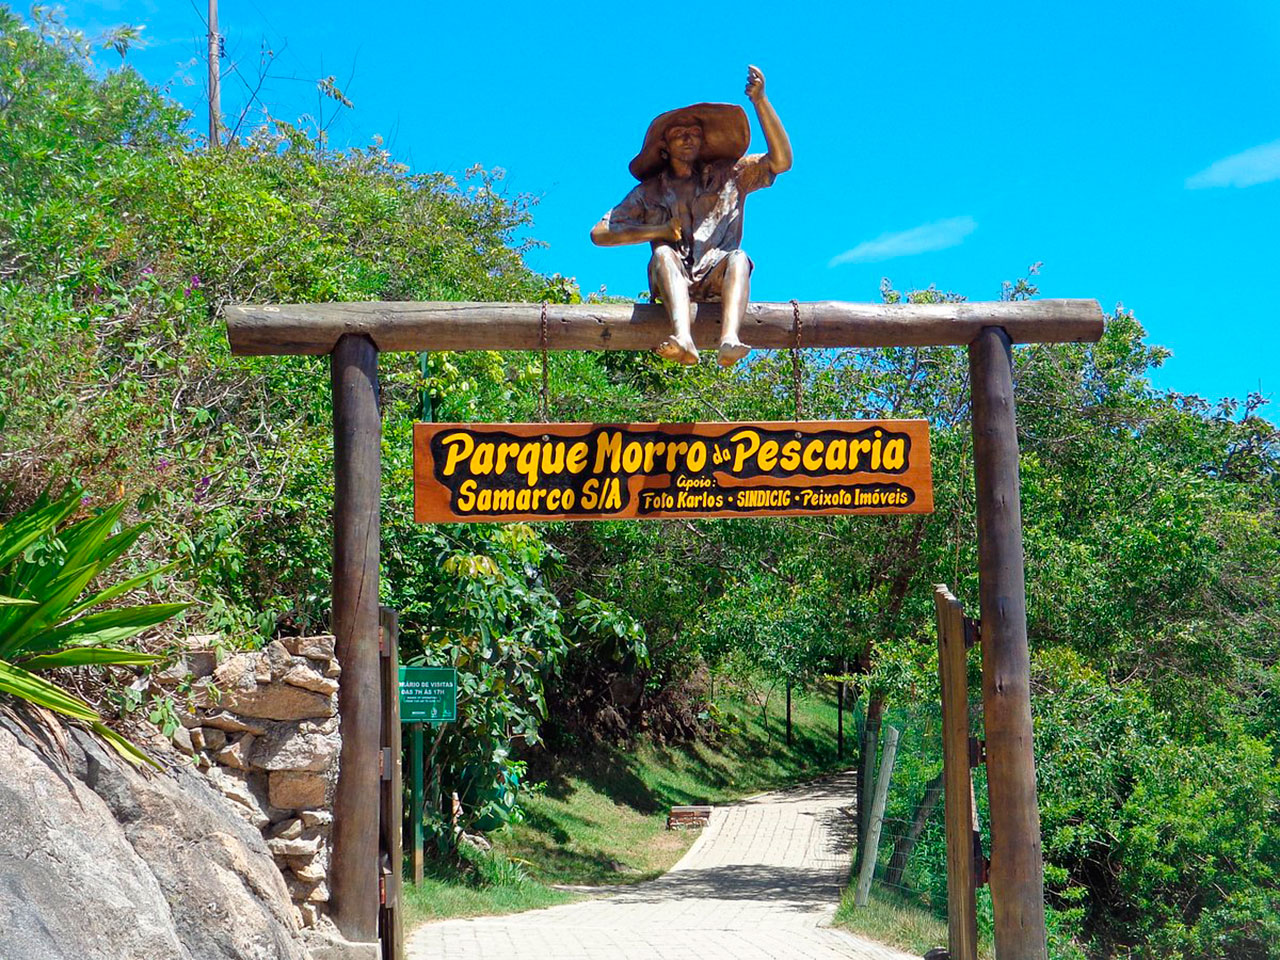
(760, 883)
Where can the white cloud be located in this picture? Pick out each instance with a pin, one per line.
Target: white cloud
(925, 238)
(1249, 168)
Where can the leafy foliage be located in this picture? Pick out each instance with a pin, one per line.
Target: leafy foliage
(46, 568)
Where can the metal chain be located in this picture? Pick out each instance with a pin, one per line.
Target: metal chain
(796, 380)
(542, 341)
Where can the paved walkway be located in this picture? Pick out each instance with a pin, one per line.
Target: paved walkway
(760, 883)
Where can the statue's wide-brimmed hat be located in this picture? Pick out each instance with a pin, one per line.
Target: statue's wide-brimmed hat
(725, 135)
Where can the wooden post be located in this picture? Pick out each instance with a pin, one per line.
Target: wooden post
(415, 799)
(863, 891)
(1017, 866)
(357, 443)
(844, 671)
(215, 77)
(391, 920)
(962, 912)
(870, 738)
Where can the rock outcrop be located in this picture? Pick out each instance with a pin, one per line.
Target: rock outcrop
(99, 861)
(223, 856)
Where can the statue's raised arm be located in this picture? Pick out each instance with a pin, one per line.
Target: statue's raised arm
(779, 155)
(694, 176)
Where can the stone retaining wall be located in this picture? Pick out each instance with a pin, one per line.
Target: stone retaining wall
(265, 732)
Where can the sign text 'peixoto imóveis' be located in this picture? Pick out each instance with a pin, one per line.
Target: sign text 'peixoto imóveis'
(601, 471)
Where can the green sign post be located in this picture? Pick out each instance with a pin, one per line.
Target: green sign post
(427, 695)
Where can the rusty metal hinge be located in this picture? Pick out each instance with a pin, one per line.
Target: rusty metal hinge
(981, 863)
(977, 752)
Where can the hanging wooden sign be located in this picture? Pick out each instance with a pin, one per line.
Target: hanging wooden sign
(467, 472)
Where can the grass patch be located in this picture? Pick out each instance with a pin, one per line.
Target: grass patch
(491, 885)
(899, 922)
(600, 818)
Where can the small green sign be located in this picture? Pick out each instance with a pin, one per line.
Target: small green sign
(428, 694)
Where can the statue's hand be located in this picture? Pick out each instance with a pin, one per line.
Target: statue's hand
(677, 232)
(755, 83)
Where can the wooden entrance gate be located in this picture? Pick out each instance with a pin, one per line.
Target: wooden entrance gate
(353, 334)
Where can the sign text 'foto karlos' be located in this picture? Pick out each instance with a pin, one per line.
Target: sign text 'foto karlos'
(595, 471)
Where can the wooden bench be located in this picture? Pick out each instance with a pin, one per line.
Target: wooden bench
(690, 816)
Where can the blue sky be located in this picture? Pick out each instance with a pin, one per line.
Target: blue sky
(1132, 148)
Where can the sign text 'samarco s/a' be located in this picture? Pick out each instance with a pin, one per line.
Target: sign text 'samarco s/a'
(593, 471)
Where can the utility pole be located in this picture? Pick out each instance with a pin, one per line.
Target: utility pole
(215, 70)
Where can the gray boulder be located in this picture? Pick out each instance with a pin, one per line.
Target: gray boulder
(99, 861)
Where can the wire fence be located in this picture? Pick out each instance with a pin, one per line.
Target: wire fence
(911, 856)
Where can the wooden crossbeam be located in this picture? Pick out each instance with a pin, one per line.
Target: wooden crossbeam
(314, 328)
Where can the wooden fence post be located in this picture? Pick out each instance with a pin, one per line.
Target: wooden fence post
(357, 453)
(844, 671)
(1017, 865)
(863, 891)
(870, 739)
(962, 915)
(391, 921)
(788, 713)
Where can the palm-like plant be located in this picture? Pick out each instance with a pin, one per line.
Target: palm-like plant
(46, 568)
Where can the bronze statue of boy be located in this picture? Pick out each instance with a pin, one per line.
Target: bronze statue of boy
(694, 178)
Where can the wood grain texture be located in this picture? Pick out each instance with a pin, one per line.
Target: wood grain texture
(357, 452)
(1017, 865)
(958, 812)
(315, 328)
(391, 917)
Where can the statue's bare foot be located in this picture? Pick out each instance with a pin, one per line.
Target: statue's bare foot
(731, 351)
(679, 349)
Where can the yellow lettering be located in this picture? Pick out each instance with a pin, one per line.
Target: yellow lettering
(608, 444)
(632, 457)
(459, 446)
(466, 496)
(504, 501)
(551, 463)
(673, 452)
(482, 462)
(813, 462)
(768, 458)
(697, 456)
(589, 496)
(613, 495)
(895, 454)
(837, 454)
(505, 450)
(748, 442)
(790, 455)
(577, 461)
(649, 450)
(527, 463)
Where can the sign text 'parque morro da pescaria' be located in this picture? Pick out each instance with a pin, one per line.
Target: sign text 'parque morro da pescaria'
(592, 471)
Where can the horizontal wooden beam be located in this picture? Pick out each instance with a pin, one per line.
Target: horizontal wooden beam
(315, 328)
